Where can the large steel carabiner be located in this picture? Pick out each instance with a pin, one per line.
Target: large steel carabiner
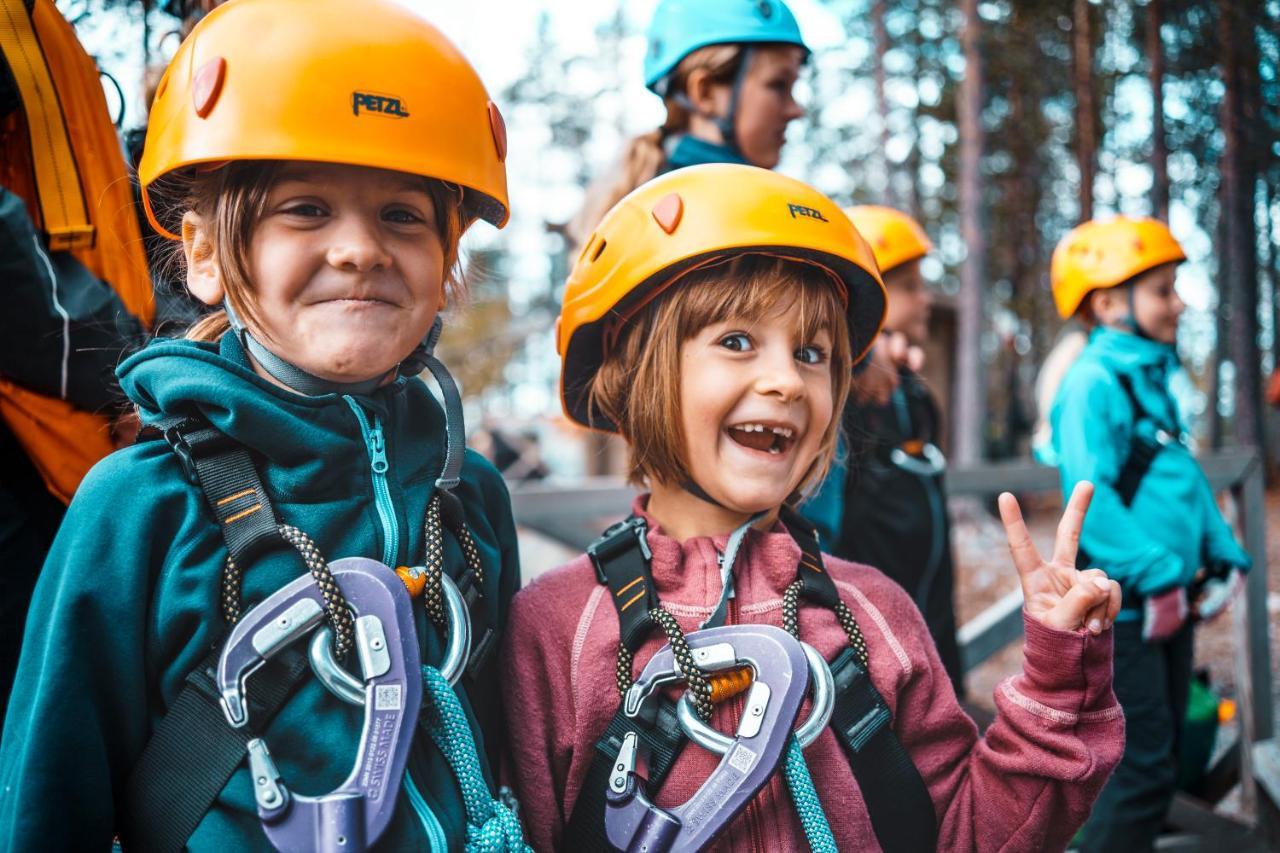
(355, 814)
(780, 681)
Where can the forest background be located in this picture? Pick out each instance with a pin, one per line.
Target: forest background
(999, 125)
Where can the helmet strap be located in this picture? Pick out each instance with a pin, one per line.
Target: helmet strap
(724, 123)
(1130, 322)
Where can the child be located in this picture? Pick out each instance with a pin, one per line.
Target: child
(885, 503)
(725, 71)
(712, 320)
(319, 160)
(1155, 526)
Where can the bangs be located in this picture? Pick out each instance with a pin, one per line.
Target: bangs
(754, 286)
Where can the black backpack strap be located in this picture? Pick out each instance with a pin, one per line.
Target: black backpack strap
(661, 741)
(621, 557)
(193, 751)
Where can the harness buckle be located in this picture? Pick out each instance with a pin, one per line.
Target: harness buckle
(781, 679)
(615, 540)
(357, 812)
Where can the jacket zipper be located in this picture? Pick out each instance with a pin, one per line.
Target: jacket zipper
(376, 443)
(430, 823)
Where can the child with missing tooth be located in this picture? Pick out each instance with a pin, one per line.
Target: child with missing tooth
(712, 320)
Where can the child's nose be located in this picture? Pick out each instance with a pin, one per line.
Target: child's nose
(356, 247)
(779, 376)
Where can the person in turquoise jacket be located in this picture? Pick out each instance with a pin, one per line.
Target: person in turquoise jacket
(1154, 525)
(331, 242)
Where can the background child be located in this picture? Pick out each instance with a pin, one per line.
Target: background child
(1155, 526)
(711, 320)
(329, 219)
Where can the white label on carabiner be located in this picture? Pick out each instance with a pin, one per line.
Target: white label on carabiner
(386, 697)
(742, 759)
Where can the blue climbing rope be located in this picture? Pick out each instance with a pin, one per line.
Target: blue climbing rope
(491, 826)
(808, 806)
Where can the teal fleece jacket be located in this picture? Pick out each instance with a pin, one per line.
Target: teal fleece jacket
(127, 604)
(1173, 526)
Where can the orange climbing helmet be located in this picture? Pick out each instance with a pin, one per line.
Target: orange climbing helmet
(685, 220)
(359, 82)
(1097, 255)
(894, 237)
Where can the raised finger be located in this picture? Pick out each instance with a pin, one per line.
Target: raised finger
(1026, 558)
(1067, 543)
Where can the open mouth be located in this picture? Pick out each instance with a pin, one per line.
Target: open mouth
(774, 440)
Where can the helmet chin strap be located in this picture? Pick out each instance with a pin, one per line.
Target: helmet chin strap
(421, 358)
(725, 123)
(1130, 322)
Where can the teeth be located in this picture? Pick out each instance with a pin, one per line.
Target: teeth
(785, 432)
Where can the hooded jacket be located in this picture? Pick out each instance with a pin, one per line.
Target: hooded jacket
(1173, 526)
(128, 601)
(1028, 784)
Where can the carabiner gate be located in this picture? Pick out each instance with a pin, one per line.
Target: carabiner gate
(356, 813)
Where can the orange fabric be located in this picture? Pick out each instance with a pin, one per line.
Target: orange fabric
(62, 441)
(1273, 388)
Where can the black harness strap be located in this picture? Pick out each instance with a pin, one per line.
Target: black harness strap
(1143, 451)
(192, 751)
(897, 799)
(621, 557)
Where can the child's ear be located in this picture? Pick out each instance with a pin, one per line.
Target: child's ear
(203, 278)
(701, 91)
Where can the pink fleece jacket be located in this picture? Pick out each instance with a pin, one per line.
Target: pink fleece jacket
(1027, 785)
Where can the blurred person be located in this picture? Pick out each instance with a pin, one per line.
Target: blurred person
(884, 502)
(76, 289)
(1155, 526)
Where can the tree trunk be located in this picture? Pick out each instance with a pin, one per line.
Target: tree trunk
(1239, 180)
(1086, 132)
(1159, 149)
(881, 37)
(970, 397)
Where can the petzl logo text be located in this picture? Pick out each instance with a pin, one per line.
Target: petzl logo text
(381, 104)
(808, 212)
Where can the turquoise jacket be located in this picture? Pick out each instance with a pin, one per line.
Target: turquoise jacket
(1173, 526)
(127, 604)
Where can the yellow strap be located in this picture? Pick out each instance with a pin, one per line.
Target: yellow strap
(63, 211)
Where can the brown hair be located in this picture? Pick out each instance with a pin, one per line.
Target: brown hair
(638, 384)
(643, 155)
(233, 199)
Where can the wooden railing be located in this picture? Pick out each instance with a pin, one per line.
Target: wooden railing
(576, 515)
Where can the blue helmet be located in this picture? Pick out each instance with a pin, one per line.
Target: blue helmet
(679, 27)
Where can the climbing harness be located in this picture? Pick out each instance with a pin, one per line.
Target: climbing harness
(354, 815)
(897, 800)
(780, 671)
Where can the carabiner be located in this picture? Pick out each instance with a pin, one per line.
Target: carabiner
(781, 679)
(348, 688)
(356, 813)
(824, 703)
(932, 464)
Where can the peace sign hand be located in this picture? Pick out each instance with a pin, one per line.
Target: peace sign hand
(1055, 593)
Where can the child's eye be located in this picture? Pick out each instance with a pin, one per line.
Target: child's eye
(736, 341)
(305, 209)
(811, 355)
(402, 216)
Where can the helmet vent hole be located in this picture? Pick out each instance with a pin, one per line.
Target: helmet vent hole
(595, 253)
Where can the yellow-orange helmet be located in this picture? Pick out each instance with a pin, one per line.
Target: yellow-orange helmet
(683, 220)
(894, 237)
(359, 82)
(1097, 255)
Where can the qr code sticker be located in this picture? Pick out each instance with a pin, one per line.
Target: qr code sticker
(742, 759)
(386, 697)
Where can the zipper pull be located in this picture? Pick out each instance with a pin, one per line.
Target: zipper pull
(377, 451)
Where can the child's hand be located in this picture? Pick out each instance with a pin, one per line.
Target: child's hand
(1054, 592)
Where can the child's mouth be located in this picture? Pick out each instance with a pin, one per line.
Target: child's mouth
(774, 440)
